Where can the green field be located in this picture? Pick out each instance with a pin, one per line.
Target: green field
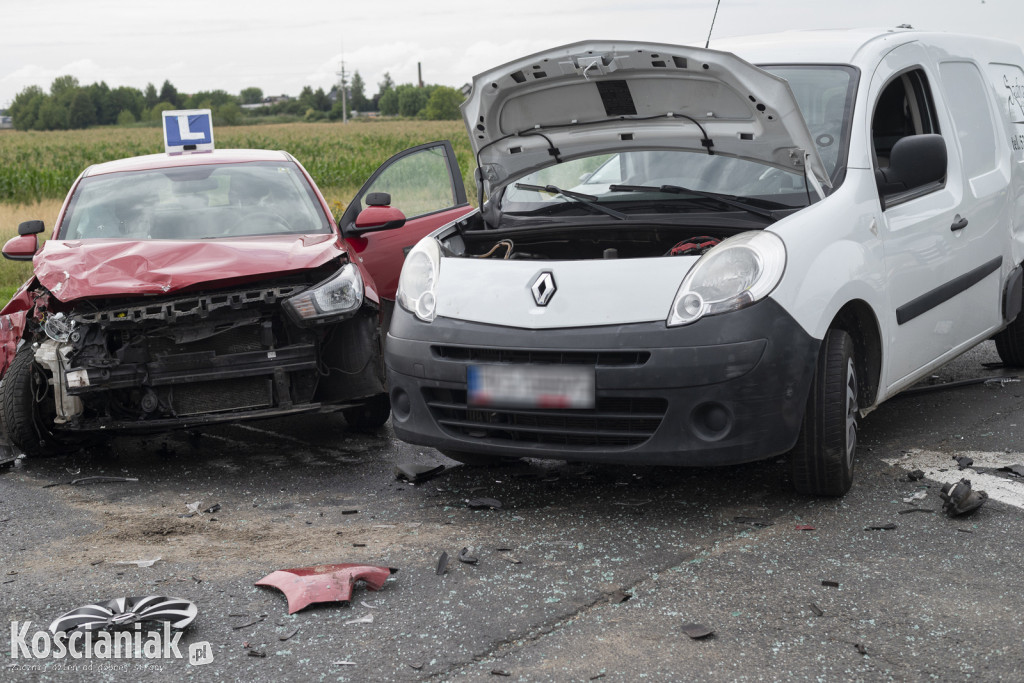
(38, 168)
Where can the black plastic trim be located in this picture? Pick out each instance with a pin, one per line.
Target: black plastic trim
(944, 293)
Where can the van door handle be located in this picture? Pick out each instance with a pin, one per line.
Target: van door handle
(958, 223)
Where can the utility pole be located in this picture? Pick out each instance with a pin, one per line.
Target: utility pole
(343, 86)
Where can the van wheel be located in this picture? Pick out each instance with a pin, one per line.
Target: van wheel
(27, 407)
(1010, 343)
(822, 461)
(370, 416)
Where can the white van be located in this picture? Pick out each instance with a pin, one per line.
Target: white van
(686, 259)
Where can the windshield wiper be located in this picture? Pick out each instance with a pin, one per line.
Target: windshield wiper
(678, 189)
(585, 199)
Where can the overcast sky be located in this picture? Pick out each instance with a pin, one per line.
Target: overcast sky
(281, 46)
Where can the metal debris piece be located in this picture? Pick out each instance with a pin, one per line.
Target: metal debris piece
(753, 521)
(442, 563)
(696, 631)
(415, 473)
(959, 499)
(830, 584)
(919, 495)
(365, 619)
(818, 612)
(305, 586)
(880, 527)
(142, 563)
(963, 462)
(213, 508)
(805, 527)
(915, 475)
(465, 557)
(482, 503)
(289, 634)
(123, 613)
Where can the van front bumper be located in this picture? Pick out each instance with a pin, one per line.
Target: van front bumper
(727, 389)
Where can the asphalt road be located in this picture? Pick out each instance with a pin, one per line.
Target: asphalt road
(583, 573)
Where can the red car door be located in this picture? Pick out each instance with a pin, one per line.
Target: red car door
(425, 184)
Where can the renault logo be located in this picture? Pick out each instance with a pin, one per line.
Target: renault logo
(543, 288)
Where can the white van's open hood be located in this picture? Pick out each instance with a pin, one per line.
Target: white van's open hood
(599, 96)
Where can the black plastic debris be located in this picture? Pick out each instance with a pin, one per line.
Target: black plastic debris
(697, 631)
(818, 612)
(959, 499)
(124, 613)
(213, 508)
(753, 521)
(466, 558)
(830, 584)
(442, 563)
(1016, 470)
(909, 510)
(415, 473)
(252, 622)
(288, 635)
(915, 475)
(880, 527)
(618, 596)
(963, 462)
(499, 672)
(861, 649)
(256, 653)
(483, 504)
(350, 512)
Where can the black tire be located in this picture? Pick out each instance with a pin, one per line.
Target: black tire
(27, 408)
(479, 459)
(1010, 343)
(370, 416)
(822, 461)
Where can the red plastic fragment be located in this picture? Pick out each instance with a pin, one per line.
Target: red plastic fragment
(804, 527)
(324, 583)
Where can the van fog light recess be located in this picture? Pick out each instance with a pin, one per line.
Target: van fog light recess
(711, 421)
(401, 406)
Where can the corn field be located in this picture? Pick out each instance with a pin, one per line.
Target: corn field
(42, 165)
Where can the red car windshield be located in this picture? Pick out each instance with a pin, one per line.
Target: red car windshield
(195, 202)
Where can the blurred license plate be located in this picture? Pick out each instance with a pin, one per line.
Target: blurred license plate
(530, 386)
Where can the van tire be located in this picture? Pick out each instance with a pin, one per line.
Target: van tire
(821, 463)
(370, 416)
(1010, 343)
(27, 407)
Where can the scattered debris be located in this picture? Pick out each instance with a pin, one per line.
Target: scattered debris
(465, 557)
(367, 605)
(633, 503)
(482, 503)
(358, 545)
(1002, 381)
(818, 612)
(142, 563)
(193, 508)
(880, 527)
(959, 499)
(289, 634)
(124, 613)
(442, 563)
(753, 521)
(365, 619)
(256, 653)
(909, 510)
(511, 559)
(922, 389)
(1016, 470)
(966, 531)
(919, 495)
(101, 480)
(696, 631)
(963, 462)
(213, 508)
(861, 649)
(415, 473)
(618, 596)
(255, 621)
(350, 512)
(915, 475)
(343, 663)
(805, 527)
(417, 666)
(596, 677)
(304, 586)
(830, 584)
(499, 672)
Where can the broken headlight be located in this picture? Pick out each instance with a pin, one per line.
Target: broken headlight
(330, 300)
(732, 275)
(417, 286)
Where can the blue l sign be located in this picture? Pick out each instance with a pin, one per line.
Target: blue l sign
(188, 131)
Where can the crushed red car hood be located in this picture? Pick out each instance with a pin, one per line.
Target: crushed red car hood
(78, 269)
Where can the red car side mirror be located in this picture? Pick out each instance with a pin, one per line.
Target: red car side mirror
(21, 248)
(379, 218)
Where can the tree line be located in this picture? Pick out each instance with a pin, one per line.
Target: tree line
(70, 105)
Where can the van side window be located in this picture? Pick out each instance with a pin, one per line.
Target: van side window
(910, 155)
(970, 107)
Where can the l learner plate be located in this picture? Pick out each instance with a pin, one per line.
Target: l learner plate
(530, 386)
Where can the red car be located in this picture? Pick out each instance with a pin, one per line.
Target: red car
(185, 290)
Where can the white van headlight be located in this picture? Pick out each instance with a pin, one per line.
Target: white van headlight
(417, 285)
(329, 300)
(734, 274)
